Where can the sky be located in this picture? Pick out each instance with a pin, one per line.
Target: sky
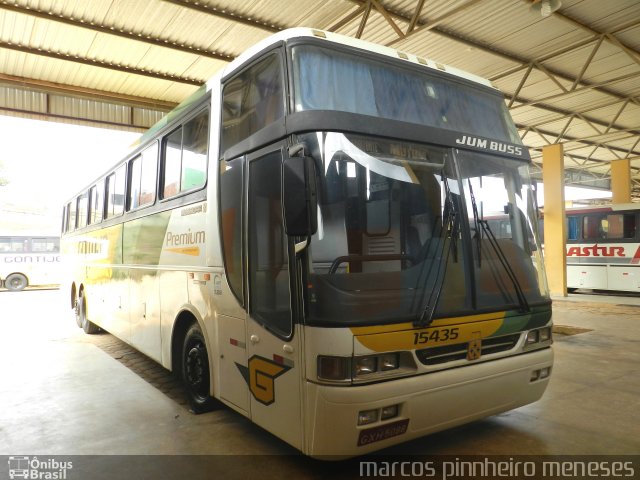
(48, 162)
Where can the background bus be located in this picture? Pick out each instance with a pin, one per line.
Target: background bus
(300, 240)
(603, 248)
(29, 260)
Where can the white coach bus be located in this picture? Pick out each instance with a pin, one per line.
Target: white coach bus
(603, 248)
(29, 260)
(303, 240)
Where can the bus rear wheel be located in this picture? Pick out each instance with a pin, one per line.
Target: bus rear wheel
(195, 370)
(81, 308)
(16, 282)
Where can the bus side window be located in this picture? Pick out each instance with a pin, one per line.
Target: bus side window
(71, 216)
(592, 227)
(5, 244)
(96, 203)
(572, 228)
(115, 192)
(185, 153)
(252, 100)
(82, 210)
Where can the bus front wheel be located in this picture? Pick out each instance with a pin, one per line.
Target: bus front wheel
(87, 325)
(195, 370)
(16, 282)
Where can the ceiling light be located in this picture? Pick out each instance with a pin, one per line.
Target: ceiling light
(545, 7)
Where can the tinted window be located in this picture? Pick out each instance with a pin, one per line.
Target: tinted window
(252, 100)
(185, 156)
(172, 160)
(231, 176)
(326, 79)
(195, 145)
(149, 175)
(142, 183)
(115, 192)
(96, 203)
(83, 202)
(71, 220)
(573, 228)
(268, 263)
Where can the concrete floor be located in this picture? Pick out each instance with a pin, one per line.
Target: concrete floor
(66, 393)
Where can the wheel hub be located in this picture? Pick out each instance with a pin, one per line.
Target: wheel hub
(195, 366)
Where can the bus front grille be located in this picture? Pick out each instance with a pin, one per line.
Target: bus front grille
(458, 351)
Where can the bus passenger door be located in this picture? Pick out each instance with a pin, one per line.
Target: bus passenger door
(274, 367)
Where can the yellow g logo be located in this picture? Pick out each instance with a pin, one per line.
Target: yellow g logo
(260, 376)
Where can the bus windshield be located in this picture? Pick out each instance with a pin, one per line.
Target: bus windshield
(397, 235)
(326, 79)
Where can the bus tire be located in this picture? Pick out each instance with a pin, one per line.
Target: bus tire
(16, 282)
(76, 311)
(195, 370)
(88, 326)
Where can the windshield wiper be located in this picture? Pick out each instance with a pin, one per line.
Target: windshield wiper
(476, 224)
(452, 221)
(522, 299)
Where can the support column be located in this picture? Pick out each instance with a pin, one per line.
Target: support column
(554, 219)
(621, 181)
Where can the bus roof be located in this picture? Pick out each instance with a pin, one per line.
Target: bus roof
(288, 34)
(604, 208)
(352, 42)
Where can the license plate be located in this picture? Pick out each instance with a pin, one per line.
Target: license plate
(377, 434)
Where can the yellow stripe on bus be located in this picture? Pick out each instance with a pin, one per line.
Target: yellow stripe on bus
(194, 251)
(430, 337)
(372, 330)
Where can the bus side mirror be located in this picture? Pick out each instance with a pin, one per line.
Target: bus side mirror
(299, 196)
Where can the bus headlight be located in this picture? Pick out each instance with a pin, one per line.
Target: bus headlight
(545, 334)
(365, 367)
(389, 361)
(375, 364)
(532, 337)
(538, 338)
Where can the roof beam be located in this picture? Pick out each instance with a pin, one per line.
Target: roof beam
(512, 57)
(529, 103)
(547, 133)
(111, 30)
(563, 50)
(88, 93)
(566, 113)
(227, 15)
(634, 54)
(100, 64)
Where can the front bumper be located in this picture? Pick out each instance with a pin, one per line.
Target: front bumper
(430, 402)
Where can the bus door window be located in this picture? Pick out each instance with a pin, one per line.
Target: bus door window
(231, 195)
(269, 287)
